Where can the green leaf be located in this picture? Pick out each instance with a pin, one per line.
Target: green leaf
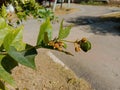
(42, 13)
(64, 32)
(22, 15)
(25, 58)
(5, 75)
(45, 13)
(46, 39)
(65, 45)
(9, 39)
(3, 11)
(3, 23)
(19, 8)
(14, 38)
(8, 63)
(2, 85)
(30, 53)
(18, 41)
(45, 27)
(3, 33)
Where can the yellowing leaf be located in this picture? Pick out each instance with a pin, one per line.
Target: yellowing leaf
(3, 11)
(3, 23)
(13, 38)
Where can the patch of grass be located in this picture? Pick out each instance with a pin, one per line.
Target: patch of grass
(95, 2)
(92, 3)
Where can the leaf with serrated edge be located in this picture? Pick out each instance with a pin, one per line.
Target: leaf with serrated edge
(64, 32)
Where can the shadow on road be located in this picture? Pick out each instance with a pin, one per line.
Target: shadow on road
(98, 25)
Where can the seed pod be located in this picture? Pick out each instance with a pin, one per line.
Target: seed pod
(77, 47)
(56, 45)
(60, 49)
(51, 43)
(75, 44)
(84, 39)
(85, 46)
(61, 44)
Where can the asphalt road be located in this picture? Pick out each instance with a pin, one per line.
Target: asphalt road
(100, 66)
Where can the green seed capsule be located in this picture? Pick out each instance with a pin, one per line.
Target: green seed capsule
(85, 46)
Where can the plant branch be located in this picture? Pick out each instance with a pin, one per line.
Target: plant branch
(68, 41)
(36, 47)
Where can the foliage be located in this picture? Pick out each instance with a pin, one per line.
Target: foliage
(30, 7)
(5, 31)
(3, 11)
(25, 8)
(45, 34)
(64, 32)
(13, 51)
(92, 2)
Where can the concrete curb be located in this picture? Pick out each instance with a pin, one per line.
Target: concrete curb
(55, 59)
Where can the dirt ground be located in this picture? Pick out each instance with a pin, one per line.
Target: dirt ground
(64, 10)
(48, 76)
